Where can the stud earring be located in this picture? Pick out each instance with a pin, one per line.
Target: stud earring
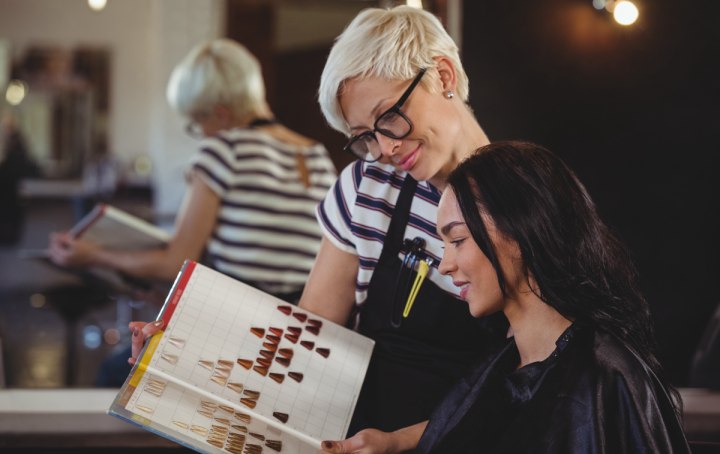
(449, 94)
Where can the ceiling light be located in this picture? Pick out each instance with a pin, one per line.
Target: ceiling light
(97, 5)
(625, 12)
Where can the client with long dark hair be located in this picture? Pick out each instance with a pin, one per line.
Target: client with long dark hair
(579, 374)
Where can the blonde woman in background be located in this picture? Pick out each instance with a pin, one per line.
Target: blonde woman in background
(252, 186)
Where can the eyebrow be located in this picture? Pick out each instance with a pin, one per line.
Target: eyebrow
(373, 113)
(357, 128)
(449, 226)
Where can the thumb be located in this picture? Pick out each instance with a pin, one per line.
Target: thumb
(344, 446)
(335, 447)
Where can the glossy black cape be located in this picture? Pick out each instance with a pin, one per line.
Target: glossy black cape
(594, 396)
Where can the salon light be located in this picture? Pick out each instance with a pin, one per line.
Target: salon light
(625, 12)
(16, 91)
(97, 5)
(414, 3)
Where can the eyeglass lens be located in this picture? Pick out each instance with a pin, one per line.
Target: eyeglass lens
(392, 123)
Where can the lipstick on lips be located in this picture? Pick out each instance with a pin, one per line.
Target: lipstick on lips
(409, 161)
(464, 288)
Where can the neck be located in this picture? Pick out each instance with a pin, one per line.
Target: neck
(470, 136)
(536, 327)
(247, 120)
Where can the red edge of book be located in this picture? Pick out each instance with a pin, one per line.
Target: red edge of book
(178, 292)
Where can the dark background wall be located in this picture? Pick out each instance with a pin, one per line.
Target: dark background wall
(636, 112)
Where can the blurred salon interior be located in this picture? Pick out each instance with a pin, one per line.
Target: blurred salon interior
(629, 102)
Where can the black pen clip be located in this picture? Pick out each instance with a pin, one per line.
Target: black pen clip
(414, 250)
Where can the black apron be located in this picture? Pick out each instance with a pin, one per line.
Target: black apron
(414, 365)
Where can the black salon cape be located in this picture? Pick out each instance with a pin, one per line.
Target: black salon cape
(592, 395)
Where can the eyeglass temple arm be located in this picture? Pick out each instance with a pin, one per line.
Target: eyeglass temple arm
(410, 89)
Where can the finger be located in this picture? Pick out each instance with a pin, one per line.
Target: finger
(152, 328)
(334, 447)
(57, 255)
(141, 331)
(137, 343)
(135, 324)
(60, 239)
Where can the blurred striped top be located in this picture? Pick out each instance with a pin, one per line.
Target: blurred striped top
(266, 232)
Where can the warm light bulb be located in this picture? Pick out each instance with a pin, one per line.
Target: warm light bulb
(15, 92)
(414, 3)
(625, 12)
(97, 5)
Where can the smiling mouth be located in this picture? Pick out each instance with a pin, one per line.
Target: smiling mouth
(408, 161)
(464, 288)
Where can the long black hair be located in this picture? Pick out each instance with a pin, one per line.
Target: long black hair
(580, 268)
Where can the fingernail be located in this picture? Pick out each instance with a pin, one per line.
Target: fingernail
(328, 444)
(157, 323)
(136, 332)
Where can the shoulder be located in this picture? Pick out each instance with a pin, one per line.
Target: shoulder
(232, 144)
(283, 134)
(613, 358)
(378, 180)
(599, 358)
(603, 392)
(245, 145)
(611, 372)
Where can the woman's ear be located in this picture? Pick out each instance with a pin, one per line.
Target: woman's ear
(448, 76)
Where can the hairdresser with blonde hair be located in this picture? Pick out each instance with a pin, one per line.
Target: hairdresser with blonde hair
(394, 85)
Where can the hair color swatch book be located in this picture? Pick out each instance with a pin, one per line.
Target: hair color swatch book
(237, 370)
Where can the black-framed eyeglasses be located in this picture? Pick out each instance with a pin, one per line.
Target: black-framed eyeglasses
(391, 123)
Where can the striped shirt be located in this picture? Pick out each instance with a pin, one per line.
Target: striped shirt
(266, 233)
(356, 212)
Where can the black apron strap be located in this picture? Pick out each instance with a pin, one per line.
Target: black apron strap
(399, 221)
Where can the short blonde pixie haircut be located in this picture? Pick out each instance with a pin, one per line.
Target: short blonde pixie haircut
(391, 44)
(219, 72)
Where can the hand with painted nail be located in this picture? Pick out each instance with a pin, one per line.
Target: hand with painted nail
(141, 331)
(368, 441)
(373, 441)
